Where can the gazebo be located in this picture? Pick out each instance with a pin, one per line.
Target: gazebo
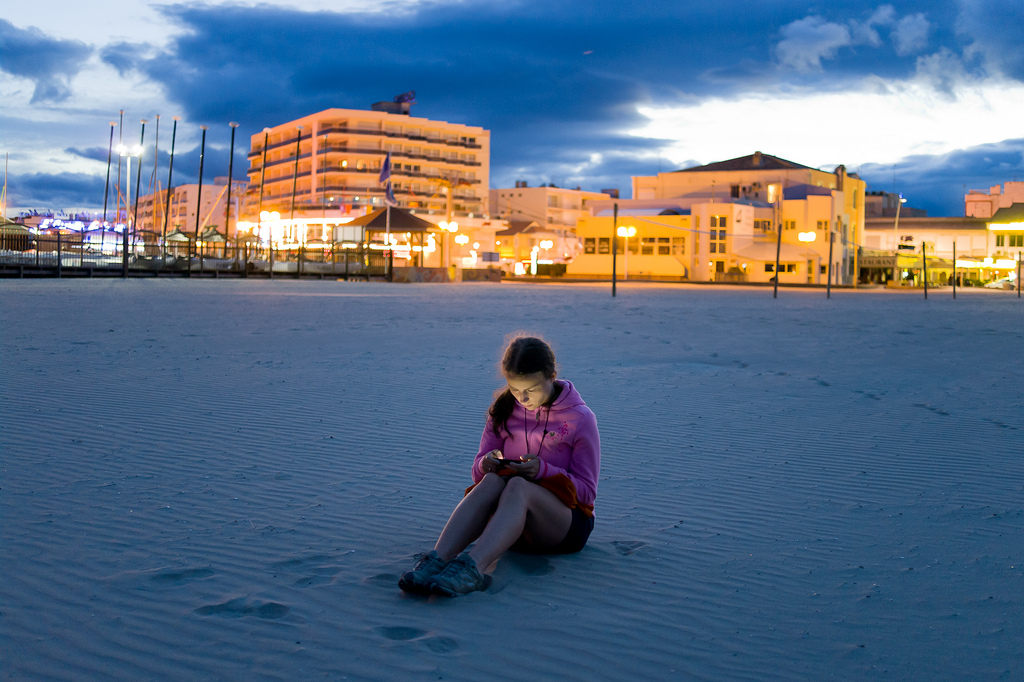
(403, 224)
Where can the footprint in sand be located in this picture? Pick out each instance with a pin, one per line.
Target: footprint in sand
(441, 645)
(181, 577)
(436, 643)
(318, 569)
(398, 633)
(530, 564)
(627, 547)
(237, 608)
(386, 579)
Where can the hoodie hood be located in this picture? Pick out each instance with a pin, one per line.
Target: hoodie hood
(567, 399)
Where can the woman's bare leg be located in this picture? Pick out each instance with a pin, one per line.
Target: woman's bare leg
(524, 508)
(470, 517)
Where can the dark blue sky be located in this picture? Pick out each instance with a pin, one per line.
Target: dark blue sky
(930, 90)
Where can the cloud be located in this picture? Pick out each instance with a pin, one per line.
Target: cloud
(911, 34)
(807, 41)
(864, 32)
(49, 62)
(938, 182)
(91, 153)
(124, 56)
(880, 121)
(56, 190)
(993, 27)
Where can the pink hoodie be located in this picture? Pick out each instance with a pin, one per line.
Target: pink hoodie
(570, 446)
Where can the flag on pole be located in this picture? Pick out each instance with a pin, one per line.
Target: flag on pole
(385, 170)
(389, 196)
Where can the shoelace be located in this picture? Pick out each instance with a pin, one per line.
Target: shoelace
(454, 567)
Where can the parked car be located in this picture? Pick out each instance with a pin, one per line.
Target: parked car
(1004, 283)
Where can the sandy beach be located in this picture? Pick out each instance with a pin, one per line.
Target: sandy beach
(224, 480)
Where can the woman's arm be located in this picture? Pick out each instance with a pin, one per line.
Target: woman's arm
(488, 443)
(585, 464)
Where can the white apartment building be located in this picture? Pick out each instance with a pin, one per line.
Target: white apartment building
(186, 204)
(324, 168)
(547, 205)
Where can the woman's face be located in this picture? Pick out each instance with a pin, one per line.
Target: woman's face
(531, 390)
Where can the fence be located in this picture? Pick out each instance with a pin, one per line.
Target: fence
(64, 255)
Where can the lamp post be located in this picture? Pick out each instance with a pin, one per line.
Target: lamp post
(138, 177)
(895, 241)
(259, 204)
(106, 188)
(120, 145)
(449, 226)
(227, 202)
(628, 232)
(124, 151)
(295, 177)
(170, 172)
(615, 242)
(199, 200)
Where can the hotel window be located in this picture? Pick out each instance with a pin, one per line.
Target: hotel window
(718, 221)
(589, 245)
(1000, 240)
(664, 246)
(678, 246)
(717, 243)
(604, 245)
(822, 224)
(647, 246)
(1017, 240)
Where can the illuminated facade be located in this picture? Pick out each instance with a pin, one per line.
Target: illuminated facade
(547, 205)
(720, 223)
(186, 203)
(525, 242)
(979, 204)
(322, 170)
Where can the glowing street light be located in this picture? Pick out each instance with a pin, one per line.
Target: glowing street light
(128, 152)
(895, 242)
(627, 232)
(807, 236)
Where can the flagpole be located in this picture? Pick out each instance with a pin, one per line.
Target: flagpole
(387, 240)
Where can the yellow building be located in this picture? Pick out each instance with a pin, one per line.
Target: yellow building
(721, 223)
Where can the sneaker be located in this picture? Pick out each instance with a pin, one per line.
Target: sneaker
(459, 576)
(416, 580)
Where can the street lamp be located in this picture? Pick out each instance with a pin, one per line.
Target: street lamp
(128, 152)
(895, 242)
(447, 226)
(626, 231)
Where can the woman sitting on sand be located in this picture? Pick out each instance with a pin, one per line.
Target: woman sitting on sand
(535, 478)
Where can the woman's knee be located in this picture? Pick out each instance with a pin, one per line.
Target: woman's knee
(517, 489)
(491, 484)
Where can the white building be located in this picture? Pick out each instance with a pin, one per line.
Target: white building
(547, 205)
(322, 170)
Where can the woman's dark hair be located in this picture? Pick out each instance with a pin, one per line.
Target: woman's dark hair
(523, 355)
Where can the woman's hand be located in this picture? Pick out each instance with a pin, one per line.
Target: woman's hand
(491, 462)
(527, 468)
